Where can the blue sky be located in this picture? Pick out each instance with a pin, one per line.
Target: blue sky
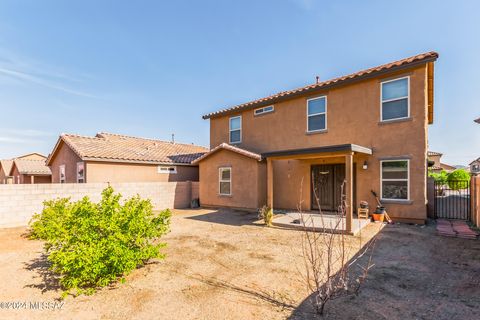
(152, 68)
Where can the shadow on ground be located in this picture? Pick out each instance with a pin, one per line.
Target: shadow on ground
(228, 217)
(41, 266)
(417, 275)
(281, 301)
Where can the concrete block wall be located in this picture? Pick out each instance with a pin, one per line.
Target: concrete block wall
(18, 202)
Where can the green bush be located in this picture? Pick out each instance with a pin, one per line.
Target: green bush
(439, 177)
(458, 179)
(266, 214)
(91, 245)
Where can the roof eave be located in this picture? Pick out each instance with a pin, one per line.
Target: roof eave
(92, 159)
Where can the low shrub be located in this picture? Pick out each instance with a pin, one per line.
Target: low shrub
(266, 214)
(91, 245)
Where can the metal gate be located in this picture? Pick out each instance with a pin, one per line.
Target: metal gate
(452, 200)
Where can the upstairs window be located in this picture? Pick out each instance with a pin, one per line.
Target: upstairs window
(395, 99)
(225, 181)
(264, 110)
(395, 179)
(61, 173)
(317, 114)
(167, 169)
(236, 129)
(80, 172)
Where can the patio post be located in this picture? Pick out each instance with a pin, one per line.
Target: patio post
(269, 183)
(349, 191)
(32, 179)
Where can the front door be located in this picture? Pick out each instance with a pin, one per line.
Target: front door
(327, 182)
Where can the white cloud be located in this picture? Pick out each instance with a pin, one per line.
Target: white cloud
(41, 81)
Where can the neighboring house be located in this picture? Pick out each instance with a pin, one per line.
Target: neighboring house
(475, 166)
(6, 166)
(118, 158)
(28, 171)
(368, 129)
(437, 165)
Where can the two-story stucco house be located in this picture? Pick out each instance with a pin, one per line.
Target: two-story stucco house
(368, 128)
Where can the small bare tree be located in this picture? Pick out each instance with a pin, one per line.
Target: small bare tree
(331, 268)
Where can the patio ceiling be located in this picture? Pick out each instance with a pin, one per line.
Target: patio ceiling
(339, 149)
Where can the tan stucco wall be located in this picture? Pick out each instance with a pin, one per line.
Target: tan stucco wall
(65, 156)
(121, 172)
(16, 175)
(435, 159)
(2, 176)
(353, 116)
(248, 190)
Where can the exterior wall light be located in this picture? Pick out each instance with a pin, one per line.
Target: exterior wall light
(365, 165)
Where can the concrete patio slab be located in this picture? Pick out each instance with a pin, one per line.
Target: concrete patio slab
(317, 222)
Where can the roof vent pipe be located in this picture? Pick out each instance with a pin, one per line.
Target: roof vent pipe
(317, 79)
(173, 137)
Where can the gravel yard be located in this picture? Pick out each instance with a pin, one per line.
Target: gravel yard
(221, 265)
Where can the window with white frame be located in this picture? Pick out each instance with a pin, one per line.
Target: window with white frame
(167, 169)
(264, 110)
(80, 172)
(225, 181)
(317, 114)
(395, 99)
(395, 179)
(236, 129)
(61, 173)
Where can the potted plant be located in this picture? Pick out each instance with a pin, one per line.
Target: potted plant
(379, 214)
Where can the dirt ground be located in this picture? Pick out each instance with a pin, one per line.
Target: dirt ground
(220, 265)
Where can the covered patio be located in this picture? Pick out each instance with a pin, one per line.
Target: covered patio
(346, 158)
(319, 222)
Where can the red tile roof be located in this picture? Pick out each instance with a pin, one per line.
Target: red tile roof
(433, 153)
(226, 146)
(6, 166)
(34, 167)
(121, 148)
(389, 67)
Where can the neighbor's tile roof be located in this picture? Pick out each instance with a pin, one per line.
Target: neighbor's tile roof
(121, 148)
(7, 166)
(447, 166)
(226, 146)
(393, 66)
(25, 166)
(433, 153)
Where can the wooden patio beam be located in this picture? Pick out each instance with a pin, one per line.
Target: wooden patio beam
(270, 183)
(349, 191)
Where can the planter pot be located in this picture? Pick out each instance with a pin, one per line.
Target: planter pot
(378, 216)
(380, 210)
